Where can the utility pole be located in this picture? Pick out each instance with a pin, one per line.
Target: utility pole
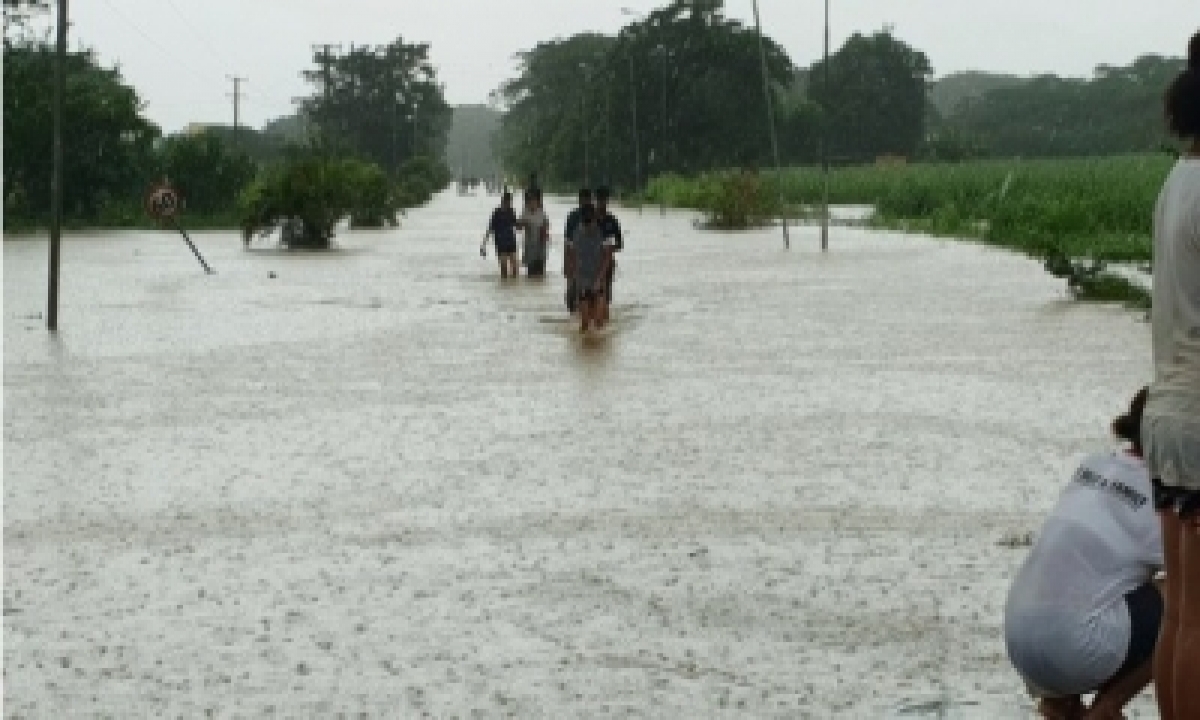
(56, 173)
(637, 151)
(825, 140)
(237, 96)
(662, 147)
(762, 55)
(325, 60)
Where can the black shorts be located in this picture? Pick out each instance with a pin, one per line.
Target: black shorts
(1145, 606)
(1185, 502)
(504, 246)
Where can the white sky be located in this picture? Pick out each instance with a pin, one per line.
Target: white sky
(177, 53)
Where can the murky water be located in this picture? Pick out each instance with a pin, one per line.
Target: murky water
(381, 481)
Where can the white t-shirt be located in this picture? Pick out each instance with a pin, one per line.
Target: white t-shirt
(1175, 318)
(1066, 624)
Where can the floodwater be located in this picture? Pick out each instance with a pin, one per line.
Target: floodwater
(380, 482)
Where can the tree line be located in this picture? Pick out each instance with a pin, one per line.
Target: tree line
(376, 118)
(680, 91)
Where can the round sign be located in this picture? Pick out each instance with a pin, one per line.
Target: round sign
(163, 202)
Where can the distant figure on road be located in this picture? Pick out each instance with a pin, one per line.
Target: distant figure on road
(593, 257)
(503, 227)
(573, 219)
(1083, 614)
(537, 234)
(1172, 435)
(611, 229)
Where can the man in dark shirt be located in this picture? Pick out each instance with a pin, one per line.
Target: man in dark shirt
(573, 220)
(503, 227)
(611, 228)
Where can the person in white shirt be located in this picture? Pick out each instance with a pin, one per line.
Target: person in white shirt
(1172, 424)
(1083, 613)
(537, 234)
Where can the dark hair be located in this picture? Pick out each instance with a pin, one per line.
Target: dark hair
(506, 197)
(585, 194)
(1128, 427)
(587, 214)
(1182, 100)
(602, 193)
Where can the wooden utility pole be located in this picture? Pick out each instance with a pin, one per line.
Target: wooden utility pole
(825, 139)
(762, 56)
(237, 96)
(56, 173)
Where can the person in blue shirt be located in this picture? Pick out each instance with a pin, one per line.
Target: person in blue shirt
(503, 228)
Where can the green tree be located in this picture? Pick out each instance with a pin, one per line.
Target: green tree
(383, 104)
(108, 146)
(874, 98)
(208, 173)
(692, 74)
(1118, 110)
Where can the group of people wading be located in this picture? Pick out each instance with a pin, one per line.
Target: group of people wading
(591, 238)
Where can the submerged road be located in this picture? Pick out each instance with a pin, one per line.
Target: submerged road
(378, 482)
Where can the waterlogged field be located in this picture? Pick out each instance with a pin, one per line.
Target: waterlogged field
(378, 482)
(1098, 208)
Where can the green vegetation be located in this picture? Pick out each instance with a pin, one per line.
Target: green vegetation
(380, 120)
(1078, 216)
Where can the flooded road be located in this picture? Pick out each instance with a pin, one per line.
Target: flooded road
(380, 482)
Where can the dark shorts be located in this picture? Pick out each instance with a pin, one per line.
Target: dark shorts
(1185, 502)
(505, 246)
(1145, 606)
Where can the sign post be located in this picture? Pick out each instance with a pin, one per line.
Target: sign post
(163, 204)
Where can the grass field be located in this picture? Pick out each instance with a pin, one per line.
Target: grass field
(1076, 214)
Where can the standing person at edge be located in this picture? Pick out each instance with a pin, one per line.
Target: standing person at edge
(1172, 424)
(537, 234)
(612, 231)
(1083, 613)
(503, 227)
(573, 219)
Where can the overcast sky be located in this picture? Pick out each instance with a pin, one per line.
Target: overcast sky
(177, 53)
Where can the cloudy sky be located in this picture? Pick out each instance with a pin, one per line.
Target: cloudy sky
(178, 53)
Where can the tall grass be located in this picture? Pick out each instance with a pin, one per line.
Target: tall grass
(1077, 215)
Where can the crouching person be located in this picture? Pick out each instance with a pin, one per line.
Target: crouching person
(1083, 613)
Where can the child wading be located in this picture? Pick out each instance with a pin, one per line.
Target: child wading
(503, 227)
(592, 257)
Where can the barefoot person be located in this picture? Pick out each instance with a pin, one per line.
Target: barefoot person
(593, 257)
(1172, 425)
(1083, 613)
(611, 229)
(585, 199)
(503, 228)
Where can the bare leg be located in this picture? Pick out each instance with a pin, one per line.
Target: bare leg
(1187, 639)
(585, 315)
(1116, 694)
(1164, 651)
